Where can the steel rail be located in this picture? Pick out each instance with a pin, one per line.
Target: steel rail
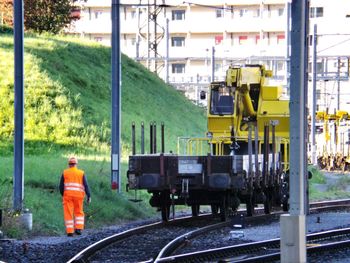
(180, 241)
(85, 254)
(311, 250)
(234, 253)
(89, 251)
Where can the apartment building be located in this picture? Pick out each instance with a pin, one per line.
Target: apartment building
(195, 42)
(190, 43)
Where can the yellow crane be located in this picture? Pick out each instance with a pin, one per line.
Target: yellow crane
(333, 156)
(243, 159)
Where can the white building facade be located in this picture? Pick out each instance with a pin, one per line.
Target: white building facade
(185, 34)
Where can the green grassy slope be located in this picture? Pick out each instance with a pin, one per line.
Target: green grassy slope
(68, 81)
(68, 111)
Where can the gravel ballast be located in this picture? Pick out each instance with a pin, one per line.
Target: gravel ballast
(61, 249)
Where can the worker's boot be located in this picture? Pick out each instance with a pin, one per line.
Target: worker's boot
(78, 231)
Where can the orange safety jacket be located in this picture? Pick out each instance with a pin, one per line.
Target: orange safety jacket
(73, 182)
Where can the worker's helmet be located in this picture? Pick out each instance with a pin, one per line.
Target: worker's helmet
(72, 160)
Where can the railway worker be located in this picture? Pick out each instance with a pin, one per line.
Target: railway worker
(73, 187)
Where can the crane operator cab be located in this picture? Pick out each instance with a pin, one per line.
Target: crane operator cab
(222, 100)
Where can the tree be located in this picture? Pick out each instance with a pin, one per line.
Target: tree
(48, 15)
(6, 12)
(43, 15)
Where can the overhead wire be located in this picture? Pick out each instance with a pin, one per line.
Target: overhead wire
(337, 44)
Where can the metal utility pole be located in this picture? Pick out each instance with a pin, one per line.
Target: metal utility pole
(116, 95)
(153, 37)
(313, 109)
(148, 37)
(293, 239)
(213, 64)
(338, 81)
(288, 11)
(18, 176)
(167, 51)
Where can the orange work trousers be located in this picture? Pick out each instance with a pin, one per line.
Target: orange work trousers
(73, 213)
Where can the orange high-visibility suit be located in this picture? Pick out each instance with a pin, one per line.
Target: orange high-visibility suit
(73, 186)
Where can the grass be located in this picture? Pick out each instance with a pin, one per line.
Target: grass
(68, 111)
(320, 189)
(67, 89)
(317, 176)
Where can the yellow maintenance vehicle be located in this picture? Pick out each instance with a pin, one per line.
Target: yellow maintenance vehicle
(242, 159)
(333, 155)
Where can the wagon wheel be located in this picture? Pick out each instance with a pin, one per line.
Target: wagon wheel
(195, 210)
(285, 206)
(250, 205)
(214, 209)
(223, 210)
(165, 209)
(165, 205)
(267, 203)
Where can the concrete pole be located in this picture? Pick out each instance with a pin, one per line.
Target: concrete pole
(18, 176)
(293, 240)
(313, 109)
(116, 95)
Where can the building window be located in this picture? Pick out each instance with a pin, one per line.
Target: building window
(178, 68)
(98, 14)
(316, 12)
(243, 12)
(232, 39)
(178, 41)
(280, 65)
(75, 13)
(232, 11)
(178, 14)
(219, 13)
(98, 39)
(243, 40)
(280, 11)
(318, 94)
(280, 39)
(133, 41)
(256, 13)
(133, 14)
(320, 67)
(311, 40)
(217, 67)
(218, 39)
(257, 39)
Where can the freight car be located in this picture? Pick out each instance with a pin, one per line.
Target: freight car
(242, 159)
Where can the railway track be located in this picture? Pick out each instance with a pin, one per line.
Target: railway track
(169, 237)
(128, 239)
(265, 251)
